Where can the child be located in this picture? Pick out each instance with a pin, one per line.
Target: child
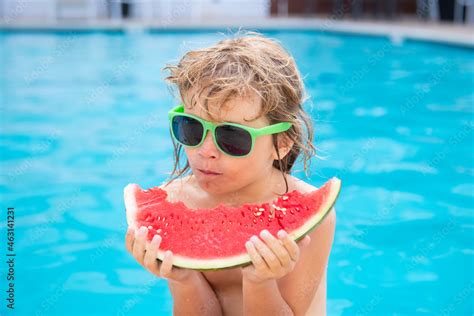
(252, 81)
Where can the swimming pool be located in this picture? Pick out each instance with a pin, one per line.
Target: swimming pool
(84, 114)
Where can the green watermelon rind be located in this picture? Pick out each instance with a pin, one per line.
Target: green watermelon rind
(240, 260)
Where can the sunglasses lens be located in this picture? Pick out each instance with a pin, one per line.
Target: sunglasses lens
(187, 130)
(233, 140)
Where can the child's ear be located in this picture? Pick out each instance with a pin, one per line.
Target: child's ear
(284, 146)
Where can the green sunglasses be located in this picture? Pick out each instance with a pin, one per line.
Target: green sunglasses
(232, 139)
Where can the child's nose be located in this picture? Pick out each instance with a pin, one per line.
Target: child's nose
(208, 149)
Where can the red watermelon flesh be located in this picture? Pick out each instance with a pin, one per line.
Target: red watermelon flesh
(215, 238)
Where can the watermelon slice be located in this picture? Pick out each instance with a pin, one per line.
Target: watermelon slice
(208, 239)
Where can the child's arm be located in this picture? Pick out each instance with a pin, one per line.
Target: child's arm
(288, 283)
(194, 297)
(191, 292)
(264, 298)
(271, 260)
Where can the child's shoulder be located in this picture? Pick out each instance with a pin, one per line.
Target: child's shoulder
(177, 183)
(300, 185)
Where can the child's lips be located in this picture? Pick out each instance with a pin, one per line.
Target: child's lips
(209, 172)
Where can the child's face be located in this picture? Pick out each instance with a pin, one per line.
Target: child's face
(235, 172)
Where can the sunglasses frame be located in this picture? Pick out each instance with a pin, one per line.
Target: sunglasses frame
(209, 126)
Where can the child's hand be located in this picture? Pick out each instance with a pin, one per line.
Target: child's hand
(145, 254)
(272, 258)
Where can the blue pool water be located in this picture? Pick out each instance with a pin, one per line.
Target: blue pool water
(83, 114)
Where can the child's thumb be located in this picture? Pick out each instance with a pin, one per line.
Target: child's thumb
(305, 241)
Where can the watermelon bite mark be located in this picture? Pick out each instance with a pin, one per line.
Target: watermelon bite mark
(205, 239)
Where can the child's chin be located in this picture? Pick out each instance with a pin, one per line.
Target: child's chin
(212, 186)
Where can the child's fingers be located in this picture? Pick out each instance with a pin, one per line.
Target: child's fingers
(270, 258)
(277, 247)
(139, 245)
(290, 245)
(256, 258)
(150, 261)
(167, 265)
(129, 239)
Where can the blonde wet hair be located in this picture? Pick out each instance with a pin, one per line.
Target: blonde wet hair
(247, 62)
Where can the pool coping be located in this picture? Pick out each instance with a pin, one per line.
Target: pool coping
(444, 33)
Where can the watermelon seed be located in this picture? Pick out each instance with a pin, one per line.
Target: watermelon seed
(159, 217)
(297, 209)
(158, 231)
(166, 225)
(150, 227)
(261, 220)
(292, 212)
(285, 198)
(258, 213)
(255, 221)
(272, 210)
